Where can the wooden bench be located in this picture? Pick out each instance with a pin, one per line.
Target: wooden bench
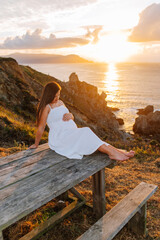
(131, 210)
(31, 178)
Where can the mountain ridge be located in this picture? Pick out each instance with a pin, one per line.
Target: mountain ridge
(26, 58)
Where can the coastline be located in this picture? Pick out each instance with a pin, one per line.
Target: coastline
(123, 83)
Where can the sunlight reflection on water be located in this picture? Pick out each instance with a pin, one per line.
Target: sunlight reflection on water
(111, 84)
(113, 90)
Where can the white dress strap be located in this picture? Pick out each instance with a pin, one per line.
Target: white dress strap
(49, 106)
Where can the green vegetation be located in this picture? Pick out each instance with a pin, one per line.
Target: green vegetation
(16, 133)
(37, 76)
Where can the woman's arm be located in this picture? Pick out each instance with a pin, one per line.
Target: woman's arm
(41, 127)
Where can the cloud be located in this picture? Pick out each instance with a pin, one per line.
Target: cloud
(149, 53)
(148, 28)
(93, 32)
(24, 8)
(35, 40)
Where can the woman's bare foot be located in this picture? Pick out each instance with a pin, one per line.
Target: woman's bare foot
(131, 153)
(113, 153)
(118, 156)
(128, 154)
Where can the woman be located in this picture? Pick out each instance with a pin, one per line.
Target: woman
(65, 137)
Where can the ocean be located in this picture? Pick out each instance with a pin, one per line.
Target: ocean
(129, 86)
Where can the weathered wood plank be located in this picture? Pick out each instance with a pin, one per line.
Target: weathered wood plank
(21, 198)
(23, 154)
(28, 166)
(112, 222)
(23, 162)
(99, 200)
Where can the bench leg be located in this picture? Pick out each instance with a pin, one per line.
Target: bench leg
(1, 235)
(138, 223)
(99, 200)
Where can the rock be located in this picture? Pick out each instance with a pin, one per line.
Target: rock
(16, 90)
(103, 95)
(93, 105)
(141, 125)
(73, 78)
(120, 121)
(148, 124)
(146, 110)
(114, 109)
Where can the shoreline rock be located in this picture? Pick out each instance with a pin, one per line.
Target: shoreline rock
(146, 110)
(148, 122)
(120, 121)
(87, 100)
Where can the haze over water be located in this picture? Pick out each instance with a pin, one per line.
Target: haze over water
(128, 86)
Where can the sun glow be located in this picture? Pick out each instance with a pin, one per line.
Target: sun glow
(115, 48)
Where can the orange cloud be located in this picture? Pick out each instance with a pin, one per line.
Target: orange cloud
(148, 28)
(35, 40)
(93, 33)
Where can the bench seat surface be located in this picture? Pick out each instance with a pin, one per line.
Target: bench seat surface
(31, 178)
(112, 222)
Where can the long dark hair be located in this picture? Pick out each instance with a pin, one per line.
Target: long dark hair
(47, 97)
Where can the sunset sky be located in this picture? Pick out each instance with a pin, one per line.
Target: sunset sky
(102, 30)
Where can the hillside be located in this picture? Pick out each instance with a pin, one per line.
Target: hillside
(20, 91)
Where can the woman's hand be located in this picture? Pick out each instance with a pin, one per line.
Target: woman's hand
(33, 146)
(68, 116)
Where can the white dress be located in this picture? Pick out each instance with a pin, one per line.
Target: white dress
(66, 139)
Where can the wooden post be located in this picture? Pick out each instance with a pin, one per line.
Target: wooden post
(1, 235)
(99, 201)
(138, 222)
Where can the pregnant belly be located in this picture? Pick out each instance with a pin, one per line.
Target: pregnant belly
(61, 126)
(68, 124)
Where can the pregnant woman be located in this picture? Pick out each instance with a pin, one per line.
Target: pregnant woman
(65, 137)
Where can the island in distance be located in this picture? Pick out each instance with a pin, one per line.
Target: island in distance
(26, 58)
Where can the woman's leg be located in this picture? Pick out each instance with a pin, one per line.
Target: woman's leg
(113, 152)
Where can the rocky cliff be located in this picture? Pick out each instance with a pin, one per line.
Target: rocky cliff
(21, 87)
(17, 90)
(148, 122)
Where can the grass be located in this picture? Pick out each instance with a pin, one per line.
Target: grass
(37, 76)
(16, 133)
